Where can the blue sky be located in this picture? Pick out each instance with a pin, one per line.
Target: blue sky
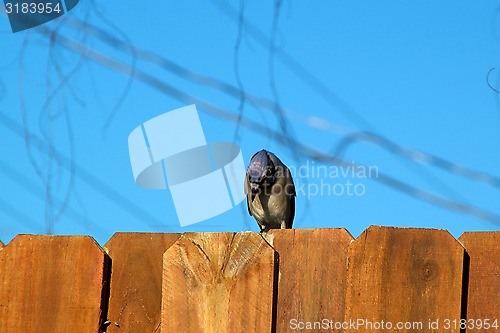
(413, 73)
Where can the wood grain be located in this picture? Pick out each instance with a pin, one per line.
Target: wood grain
(483, 301)
(135, 300)
(312, 275)
(52, 284)
(404, 275)
(219, 283)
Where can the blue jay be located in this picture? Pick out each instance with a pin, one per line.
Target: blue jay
(270, 192)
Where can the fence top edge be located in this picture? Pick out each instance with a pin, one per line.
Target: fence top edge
(378, 228)
(29, 237)
(371, 227)
(479, 233)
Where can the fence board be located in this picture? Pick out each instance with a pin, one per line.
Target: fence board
(483, 300)
(135, 300)
(312, 270)
(404, 275)
(219, 283)
(52, 284)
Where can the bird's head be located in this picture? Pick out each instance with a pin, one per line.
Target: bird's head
(261, 171)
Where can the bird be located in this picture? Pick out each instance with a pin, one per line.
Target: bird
(270, 192)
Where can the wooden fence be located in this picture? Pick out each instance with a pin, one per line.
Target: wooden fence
(299, 280)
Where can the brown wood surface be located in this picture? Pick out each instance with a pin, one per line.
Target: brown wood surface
(483, 301)
(312, 276)
(135, 301)
(52, 284)
(219, 283)
(404, 275)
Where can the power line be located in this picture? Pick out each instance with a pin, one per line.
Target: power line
(17, 215)
(35, 190)
(414, 155)
(307, 151)
(238, 92)
(318, 86)
(218, 112)
(108, 192)
(300, 71)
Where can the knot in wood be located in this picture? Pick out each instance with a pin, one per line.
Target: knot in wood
(428, 270)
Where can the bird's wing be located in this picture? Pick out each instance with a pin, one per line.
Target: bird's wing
(248, 193)
(286, 172)
(248, 204)
(291, 198)
(292, 213)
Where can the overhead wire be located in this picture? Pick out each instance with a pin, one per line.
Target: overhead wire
(230, 89)
(298, 69)
(34, 189)
(17, 215)
(305, 150)
(86, 176)
(324, 91)
(218, 112)
(418, 156)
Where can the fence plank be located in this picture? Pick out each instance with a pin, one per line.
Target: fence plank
(53, 284)
(219, 283)
(312, 271)
(483, 301)
(135, 301)
(404, 275)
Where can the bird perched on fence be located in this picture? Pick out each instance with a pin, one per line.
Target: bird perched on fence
(270, 192)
